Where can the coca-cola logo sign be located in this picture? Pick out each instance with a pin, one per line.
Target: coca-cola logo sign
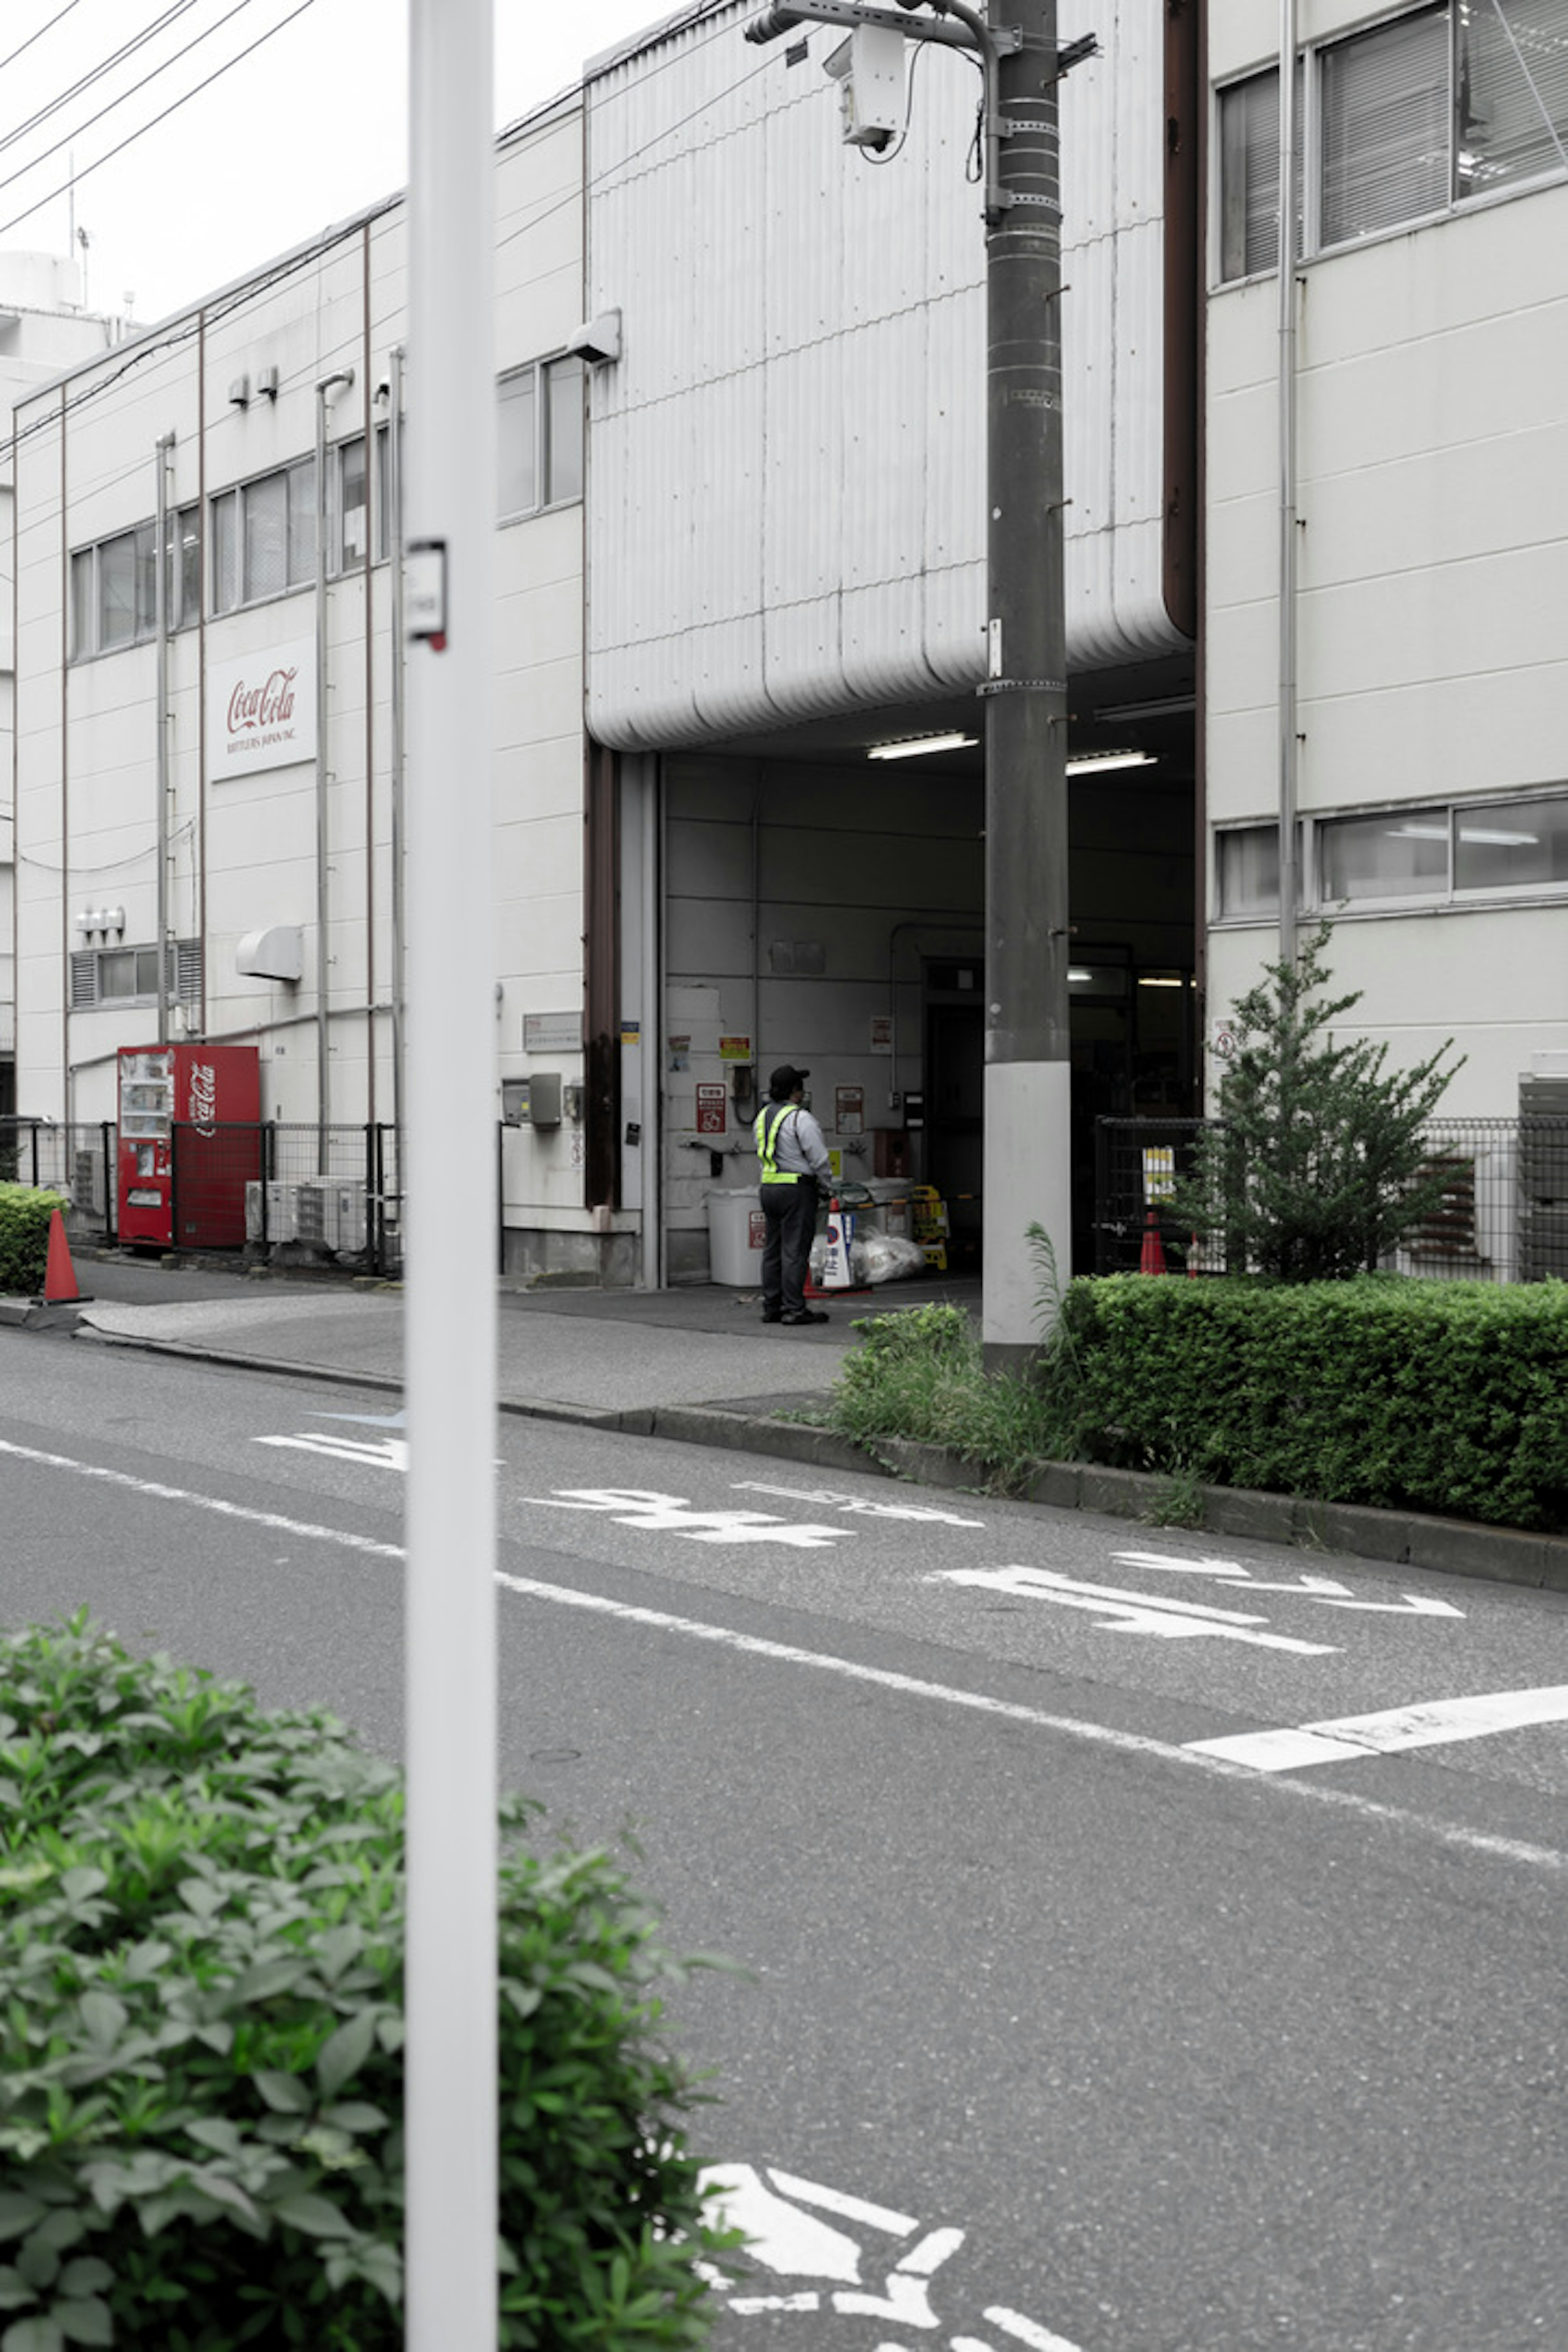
(203, 1098)
(261, 710)
(258, 707)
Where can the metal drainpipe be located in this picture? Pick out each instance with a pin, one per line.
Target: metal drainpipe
(1288, 743)
(161, 449)
(338, 382)
(395, 563)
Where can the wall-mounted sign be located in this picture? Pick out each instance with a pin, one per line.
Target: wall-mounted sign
(849, 1109)
(553, 1032)
(261, 710)
(734, 1049)
(709, 1107)
(882, 1033)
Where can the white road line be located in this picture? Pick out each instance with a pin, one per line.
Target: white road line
(1431, 1724)
(834, 2200)
(1123, 1612)
(1097, 1734)
(1027, 2331)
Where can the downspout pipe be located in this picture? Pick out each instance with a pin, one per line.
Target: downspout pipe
(1289, 737)
(328, 385)
(162, 452)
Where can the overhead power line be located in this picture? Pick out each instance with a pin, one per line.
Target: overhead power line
(106, 65)
(39, 36)
(55, 193)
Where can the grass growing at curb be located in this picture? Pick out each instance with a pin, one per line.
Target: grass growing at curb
(921, 1374)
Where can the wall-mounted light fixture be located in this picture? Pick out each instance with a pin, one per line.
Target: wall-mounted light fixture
(266, 383)
(239, 393)
(99, 918)
(912, 747)
(1099, 764)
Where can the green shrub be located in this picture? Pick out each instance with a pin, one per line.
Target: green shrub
(1427, 1396)
(921, 1374)
(201, 1948)
(25, 1215)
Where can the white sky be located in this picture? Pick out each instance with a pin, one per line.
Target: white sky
(302, 133)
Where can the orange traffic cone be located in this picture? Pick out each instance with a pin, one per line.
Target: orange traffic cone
(1153, 1260)
(59, 1275)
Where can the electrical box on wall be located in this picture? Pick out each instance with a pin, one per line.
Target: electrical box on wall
(531, 1102)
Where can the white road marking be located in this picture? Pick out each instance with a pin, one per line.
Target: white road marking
(639, 1506)
(1131, 1612)
(924, 1514)
(779, 2235)
(1432, 1724)
(385, 1453)
(1094, 1734)
(1326, 1589)
(834, 2200)
(1027, 2331)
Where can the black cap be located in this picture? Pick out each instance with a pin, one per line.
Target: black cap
(785, 1079)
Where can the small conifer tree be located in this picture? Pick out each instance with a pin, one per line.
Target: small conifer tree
(1318, 1161)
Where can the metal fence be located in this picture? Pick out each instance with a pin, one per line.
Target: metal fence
(288, 1193)
(1503, 1215)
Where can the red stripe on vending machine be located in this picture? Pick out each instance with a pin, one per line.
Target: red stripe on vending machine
(190, 1141)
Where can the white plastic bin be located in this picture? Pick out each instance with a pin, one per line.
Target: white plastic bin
(735, 1235)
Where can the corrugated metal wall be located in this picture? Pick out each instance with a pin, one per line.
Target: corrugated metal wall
(787, 488)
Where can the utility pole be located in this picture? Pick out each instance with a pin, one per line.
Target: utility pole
(1029, 1048)
(449, 1374)
(1028, 1066)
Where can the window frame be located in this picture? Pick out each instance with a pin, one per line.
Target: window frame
(540, 379)
(182, 967)
(228, 516)
(1448, 894)
(1311, 242)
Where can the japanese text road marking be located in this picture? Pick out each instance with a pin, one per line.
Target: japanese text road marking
(1428, 1725)
(924, 1514)
(754, 1646)
(1131, 1612)
(639, 1506)
(1326, 1589)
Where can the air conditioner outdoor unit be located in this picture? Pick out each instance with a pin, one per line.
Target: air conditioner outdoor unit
(332, 1212)
(88, 1191)
(281, 1221)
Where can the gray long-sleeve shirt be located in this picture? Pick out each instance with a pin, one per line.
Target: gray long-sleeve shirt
(799, 1148)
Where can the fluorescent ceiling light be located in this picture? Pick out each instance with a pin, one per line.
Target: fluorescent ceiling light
(1419, 832)
(1095, 763)
(1499, 840)
(1158, 979)
(912, 746)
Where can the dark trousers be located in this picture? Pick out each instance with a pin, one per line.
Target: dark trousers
(791, 1214)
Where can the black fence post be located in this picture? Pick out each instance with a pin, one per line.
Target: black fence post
(108, 1142)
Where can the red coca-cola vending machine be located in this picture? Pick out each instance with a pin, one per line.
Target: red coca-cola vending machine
(190, 1141)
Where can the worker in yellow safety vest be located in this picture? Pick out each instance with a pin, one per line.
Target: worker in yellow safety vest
(796, 1167)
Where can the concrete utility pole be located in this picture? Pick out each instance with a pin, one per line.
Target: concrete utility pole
(1028, 1065)
(1028, 1047)
(449, 1375)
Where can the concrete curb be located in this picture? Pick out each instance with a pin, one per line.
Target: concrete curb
(1403, 1539)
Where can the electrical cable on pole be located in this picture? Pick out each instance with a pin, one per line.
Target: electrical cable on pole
(1028, 1064)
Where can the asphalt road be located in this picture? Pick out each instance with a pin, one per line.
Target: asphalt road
(1062, 2027)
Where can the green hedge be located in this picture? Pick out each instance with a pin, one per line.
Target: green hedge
(1444, 1397)
(201, 1945)
(25, 1215)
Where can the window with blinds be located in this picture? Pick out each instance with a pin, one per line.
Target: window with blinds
(1383, 152)
(1443, 104)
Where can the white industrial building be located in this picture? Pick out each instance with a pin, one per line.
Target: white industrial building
(741, 525)
(44, 326)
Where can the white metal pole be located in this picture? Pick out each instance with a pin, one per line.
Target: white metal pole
(1288, 743)
(450, 1369)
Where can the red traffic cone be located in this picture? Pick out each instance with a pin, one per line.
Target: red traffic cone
(59, 1275)
(1153, 1260)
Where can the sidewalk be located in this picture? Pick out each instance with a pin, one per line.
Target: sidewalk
(567, 1353)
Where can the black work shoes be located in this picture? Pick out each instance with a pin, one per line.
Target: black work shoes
(806, 1315)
